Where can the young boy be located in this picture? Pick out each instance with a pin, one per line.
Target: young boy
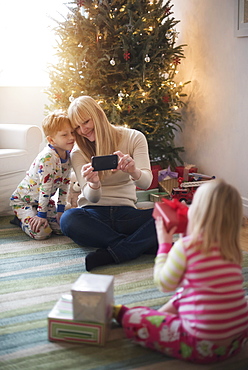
(35, 211)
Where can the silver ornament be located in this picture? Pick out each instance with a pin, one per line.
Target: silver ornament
(112, 62)
(147, 58)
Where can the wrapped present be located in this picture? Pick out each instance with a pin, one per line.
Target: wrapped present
(157, 197)
(155, 168)
(155, 171)
(168, 184)
(174, 213)
(167, 180)
(144, 195)
(62, 326)
(93, 298)
(186, 170)
(164, 174)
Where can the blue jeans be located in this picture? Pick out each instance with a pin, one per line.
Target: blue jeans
(124, 231)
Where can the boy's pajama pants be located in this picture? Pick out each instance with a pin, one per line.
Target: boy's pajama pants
(25, 212)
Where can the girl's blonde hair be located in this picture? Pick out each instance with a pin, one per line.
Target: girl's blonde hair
(216, 216)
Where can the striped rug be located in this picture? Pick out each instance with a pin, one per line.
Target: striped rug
(34, 275)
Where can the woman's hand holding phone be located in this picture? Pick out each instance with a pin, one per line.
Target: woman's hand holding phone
(127, 164)
(91, 176)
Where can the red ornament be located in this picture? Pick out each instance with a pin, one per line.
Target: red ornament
(126, 55)
(166, 99)
(57, 96)
(80, 3)
(176, 61)
(167, 10)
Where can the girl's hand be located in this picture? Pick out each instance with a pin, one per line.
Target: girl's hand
(127, 164)
(163, 235)
(90, 176)
(36, 222)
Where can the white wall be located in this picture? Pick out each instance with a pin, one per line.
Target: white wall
(215, 126)
(24, 105)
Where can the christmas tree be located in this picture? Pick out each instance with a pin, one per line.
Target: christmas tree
(123, 53)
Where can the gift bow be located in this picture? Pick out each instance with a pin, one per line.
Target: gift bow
(180, 208)
(188, 166)
(164, 173)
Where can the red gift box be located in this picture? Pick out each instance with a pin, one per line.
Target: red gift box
(185, 171)
(173, 212)
(155, 170)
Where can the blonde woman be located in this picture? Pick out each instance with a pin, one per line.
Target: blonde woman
(107, 217)
(207, 319)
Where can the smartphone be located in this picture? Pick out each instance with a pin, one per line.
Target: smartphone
(104, 162)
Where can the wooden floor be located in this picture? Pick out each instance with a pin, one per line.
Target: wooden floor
(244, 236)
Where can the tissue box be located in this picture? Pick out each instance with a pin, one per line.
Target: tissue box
(93, 298)
(173, 213)
(62, 327)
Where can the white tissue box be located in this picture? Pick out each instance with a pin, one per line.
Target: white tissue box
(93, 298)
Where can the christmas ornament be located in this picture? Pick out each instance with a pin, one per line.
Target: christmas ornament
(84, 63)
(112, 62)
(147, 58)
(80, 3)
(100, 36)
(164, 75)
(57, 96)
(166, 99)
(176, 61)
(126, 55)
(130, 27)
(121, 95)
(169, 34)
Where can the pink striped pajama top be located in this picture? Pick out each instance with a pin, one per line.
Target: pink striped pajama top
(211, 301)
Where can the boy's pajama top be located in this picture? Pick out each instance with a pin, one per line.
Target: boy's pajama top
(46, 175)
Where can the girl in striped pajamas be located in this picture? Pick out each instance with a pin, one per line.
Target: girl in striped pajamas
(207, 319)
